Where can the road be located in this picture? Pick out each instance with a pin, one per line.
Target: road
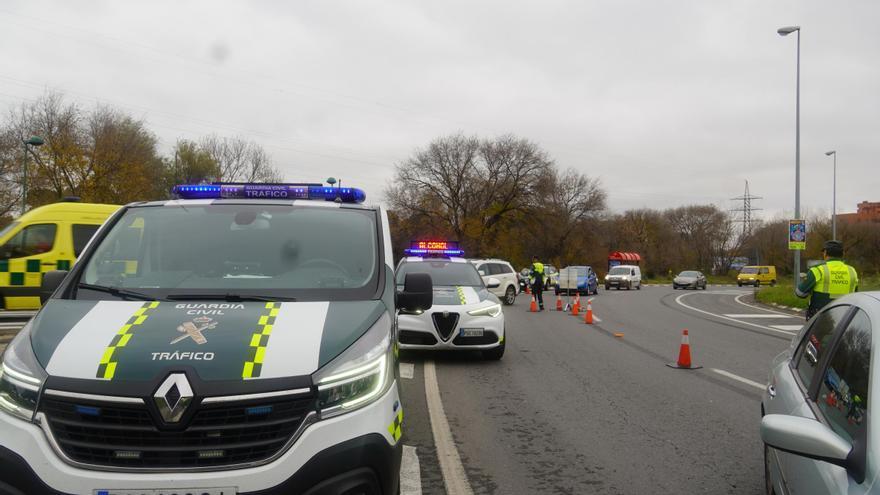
(572, 408)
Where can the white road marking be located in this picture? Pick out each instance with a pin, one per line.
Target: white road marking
(770, 329)
(454, 476)
(737, 299)
(738, 378)
(407, 370)
(410, 472)
(596, 318)
(793, 328)
(759, 315)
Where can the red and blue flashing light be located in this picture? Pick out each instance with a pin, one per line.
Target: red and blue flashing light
(269, 191)
(434, 248)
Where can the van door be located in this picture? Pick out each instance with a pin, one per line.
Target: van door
(23, 259)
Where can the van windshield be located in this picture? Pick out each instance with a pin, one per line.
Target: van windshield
(750, 269)
(301, 252)
(619, 270)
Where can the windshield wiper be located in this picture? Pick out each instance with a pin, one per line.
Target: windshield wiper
(228, 297)
(117, 291)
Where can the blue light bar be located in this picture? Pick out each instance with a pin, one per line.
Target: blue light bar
(269, 191)
(88, 410)
(258, 410)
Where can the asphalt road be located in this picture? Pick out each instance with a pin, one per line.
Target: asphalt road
(571, 408)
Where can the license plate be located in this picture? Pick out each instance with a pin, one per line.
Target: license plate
(471, 332)
(171, 491)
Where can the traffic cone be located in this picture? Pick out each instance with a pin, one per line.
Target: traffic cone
(684, 354)
(588, 318)
(527, 290)
(576, 307)
(558, 302)
(533, 307)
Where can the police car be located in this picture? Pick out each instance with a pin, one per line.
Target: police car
(464, 315)
(239, 339)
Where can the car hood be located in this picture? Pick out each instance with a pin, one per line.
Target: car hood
(685, 280)
(445, 295)
(141, 341)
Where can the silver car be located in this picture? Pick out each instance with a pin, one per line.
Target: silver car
(816, 410)
(689, 278)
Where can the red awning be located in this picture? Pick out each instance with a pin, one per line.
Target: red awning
(619, 256)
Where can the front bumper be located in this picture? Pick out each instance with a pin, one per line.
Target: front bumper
(617, 283)
(354, 450)
(418, 332)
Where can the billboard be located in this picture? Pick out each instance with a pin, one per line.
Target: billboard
(797, 235)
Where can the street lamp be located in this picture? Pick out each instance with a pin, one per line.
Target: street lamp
(785, 31)
(32, 141)
(834, 196)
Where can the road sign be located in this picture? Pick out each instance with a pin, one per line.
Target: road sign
(797, 235)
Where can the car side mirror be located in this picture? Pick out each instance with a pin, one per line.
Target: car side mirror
(493, 283)
(417, 295)
(51, 281)
(808, 438)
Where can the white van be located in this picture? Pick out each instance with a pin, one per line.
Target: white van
(629, 276)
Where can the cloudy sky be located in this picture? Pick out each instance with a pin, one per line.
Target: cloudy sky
(668, 102)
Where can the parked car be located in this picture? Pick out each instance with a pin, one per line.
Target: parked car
(689, 279)
(506, 275)
(577, 280)
(756, 275)
(815, 410)
(629, 276)
(551, 277)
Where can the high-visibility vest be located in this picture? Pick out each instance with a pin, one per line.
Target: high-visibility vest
(835, 278)
(538, 267)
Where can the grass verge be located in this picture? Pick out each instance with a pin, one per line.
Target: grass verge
(783, 294)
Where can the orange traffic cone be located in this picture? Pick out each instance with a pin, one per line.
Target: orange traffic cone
(558, 302)
(588, 318)
(576, 307)
(684, 354)
(527, 289)
(533, 307)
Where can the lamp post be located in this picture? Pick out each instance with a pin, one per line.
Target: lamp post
(833, 153)
(785, 31)
(32, 141)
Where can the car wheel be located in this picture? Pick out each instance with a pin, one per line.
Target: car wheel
(495, 353)
(757, 283)
(739, 284)
(772, 283)
(768, 483)
(607, 287)
(509, 295)
(639, 286)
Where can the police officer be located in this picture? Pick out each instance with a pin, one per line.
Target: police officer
(538, 281)
(829, 280)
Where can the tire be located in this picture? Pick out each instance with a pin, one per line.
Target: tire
(757, 283)
(639, 287)
(556, 289)
(739, 284)
(772, 283)
(509, 295)
(496, 353)
(607, 287)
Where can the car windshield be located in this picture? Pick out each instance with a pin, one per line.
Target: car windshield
(689, 274)
(750, 269)
(297, 252)
(442, 272)
(619, 270)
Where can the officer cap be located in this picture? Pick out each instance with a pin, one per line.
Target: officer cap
(833, 248)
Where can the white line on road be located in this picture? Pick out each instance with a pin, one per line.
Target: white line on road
(407, 370)
(410, 472)
(738, 378)
(739, 300)
(758, 315)
(454, 476)
(770, 329)
(792, 328)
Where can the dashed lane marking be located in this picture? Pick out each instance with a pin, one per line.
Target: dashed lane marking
(410, 472)
(763, 327)
(407, 370)
(792, 328)
(738, 378)
(758, 315)
(454, 476)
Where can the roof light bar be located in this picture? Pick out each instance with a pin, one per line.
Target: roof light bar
(434, 248)
(219, 190)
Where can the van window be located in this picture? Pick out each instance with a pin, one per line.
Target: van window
(765, 271)
(81, 236)
(29, 241)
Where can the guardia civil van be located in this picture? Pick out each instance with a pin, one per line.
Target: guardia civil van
(240, 339)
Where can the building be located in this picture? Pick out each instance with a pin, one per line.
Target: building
(867, 212)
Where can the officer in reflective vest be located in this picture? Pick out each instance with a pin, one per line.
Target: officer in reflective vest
(828, 281)
(538, 281)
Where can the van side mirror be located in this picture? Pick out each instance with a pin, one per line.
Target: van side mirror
(51, 281)
(417, 295)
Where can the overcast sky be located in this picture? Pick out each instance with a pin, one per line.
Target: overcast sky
(668, 103)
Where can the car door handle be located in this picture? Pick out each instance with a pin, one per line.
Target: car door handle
(771, 391)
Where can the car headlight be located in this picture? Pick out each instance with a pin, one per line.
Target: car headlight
(493, 311)
(21, 378)
(358, 376)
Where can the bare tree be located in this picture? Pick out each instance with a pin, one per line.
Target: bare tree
(239, 160)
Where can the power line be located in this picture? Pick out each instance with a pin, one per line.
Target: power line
(746, 210)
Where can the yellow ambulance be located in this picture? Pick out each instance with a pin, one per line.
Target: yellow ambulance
(46, 238)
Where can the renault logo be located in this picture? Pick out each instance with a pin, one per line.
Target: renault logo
(173, 397)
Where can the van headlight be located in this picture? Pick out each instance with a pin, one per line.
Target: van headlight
(358, 376)
(493, 311)
(21, 378)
